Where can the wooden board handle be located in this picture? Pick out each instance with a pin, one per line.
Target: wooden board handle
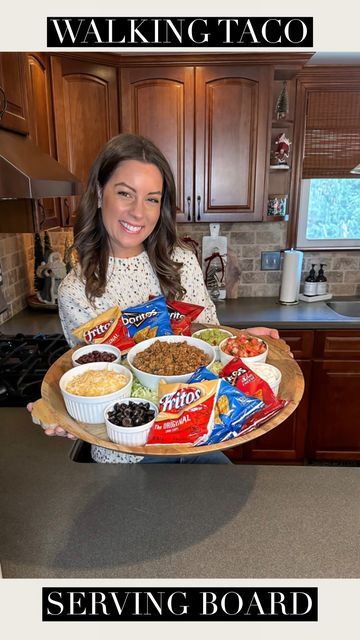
(44, 415)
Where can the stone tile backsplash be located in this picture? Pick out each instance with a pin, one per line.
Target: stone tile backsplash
(17, 262)
(246, 241)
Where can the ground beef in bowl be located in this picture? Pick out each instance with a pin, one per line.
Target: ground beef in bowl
(170, 359)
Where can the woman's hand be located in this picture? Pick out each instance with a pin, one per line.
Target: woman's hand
(264, 331)
(56, 430)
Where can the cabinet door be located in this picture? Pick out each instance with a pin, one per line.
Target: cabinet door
(334, 419)
(158, 103)
(13, 83)
(232, 124)
(41, 131)
(86, 116)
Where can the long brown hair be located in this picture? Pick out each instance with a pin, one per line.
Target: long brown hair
(91, 240)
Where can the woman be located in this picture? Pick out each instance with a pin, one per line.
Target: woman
(127, 247)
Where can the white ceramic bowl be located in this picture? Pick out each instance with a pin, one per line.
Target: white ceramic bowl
(132, 436)
(151, 380)
(90, 409)
(269, 373)
(197, 334)
(225, 357)
(108, 348)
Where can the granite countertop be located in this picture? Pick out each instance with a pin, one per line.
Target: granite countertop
(62, 519)
(241, 313)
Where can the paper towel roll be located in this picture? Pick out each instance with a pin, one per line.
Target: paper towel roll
(291, 276)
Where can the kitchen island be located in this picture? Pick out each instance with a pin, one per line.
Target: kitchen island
(62, 519)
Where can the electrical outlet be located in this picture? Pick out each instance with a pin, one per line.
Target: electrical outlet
(270, 260)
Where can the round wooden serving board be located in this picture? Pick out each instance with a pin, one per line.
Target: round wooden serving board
(50, 409)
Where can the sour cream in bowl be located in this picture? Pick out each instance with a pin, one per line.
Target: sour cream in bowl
(269, 373)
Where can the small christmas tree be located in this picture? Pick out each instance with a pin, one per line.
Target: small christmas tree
(47, 246)
(67, 256)
(282, 103)
(38, 259)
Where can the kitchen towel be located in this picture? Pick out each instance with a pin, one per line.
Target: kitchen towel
(291, 276)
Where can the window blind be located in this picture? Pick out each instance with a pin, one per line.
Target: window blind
(332, 134)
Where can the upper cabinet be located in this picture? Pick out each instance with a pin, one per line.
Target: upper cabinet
(158, 103)
(211, 122)
(41, 131)
(86, 116)
(13, 94)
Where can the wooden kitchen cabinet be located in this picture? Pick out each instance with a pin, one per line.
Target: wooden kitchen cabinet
(212, 124)
(86, 117)
(14, 92)
(47, 211)
(334, 418)
(158, 103)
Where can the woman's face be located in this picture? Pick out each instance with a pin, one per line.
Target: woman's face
(131, 206)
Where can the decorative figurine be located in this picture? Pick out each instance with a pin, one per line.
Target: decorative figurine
(282, 149)
(51, 272)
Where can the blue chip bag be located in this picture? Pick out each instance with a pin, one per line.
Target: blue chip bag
(147, 320)
(233, 408)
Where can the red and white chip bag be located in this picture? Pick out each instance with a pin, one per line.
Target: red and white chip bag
(186, 412)
(241, 376)
(107, 327)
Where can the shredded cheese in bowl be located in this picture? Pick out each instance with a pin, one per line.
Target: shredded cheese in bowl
(96, 383)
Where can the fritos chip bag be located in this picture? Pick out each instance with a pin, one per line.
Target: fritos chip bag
(233, 408)
(186, 412)
(182, 314)
(237, 373)
(147, 320)
(107, 327)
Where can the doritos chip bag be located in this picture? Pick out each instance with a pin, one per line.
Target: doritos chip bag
(107, 328)
(182, 314)
(186, 412)
(147, 320)
(232, 410)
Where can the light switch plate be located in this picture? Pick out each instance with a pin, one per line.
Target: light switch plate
(270, 260)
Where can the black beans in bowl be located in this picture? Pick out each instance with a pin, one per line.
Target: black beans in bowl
(96, 356)
(131, 414)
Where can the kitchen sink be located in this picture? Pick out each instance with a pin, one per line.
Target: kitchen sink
(345, 307)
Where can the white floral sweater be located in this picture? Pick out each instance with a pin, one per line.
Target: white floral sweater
(130, 281)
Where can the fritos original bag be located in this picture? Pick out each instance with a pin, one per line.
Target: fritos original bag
(186, 412)
(107, 328)
(147, 320)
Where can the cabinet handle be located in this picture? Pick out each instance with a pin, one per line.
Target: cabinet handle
(67, 219)
(198, 217)
(188, 199)
(4, 107)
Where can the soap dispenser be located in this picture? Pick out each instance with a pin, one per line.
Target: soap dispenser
(321, 282)
(310, 284)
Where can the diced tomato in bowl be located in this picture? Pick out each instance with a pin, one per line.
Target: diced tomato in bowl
(248, 348)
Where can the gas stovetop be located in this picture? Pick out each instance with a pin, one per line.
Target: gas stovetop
(24, 361)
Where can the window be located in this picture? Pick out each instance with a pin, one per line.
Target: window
(329, 215)
(329, 210)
